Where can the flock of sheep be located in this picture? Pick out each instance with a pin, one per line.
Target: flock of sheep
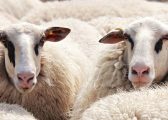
(83, 60)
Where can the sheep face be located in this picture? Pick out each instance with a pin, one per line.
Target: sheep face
(147, 53)
(23, 45)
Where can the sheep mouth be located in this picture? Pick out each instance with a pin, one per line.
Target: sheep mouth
(138, 85)
(25, 90)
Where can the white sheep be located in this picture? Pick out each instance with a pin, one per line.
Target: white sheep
(87, 9)
(18, 8)
(139, 59)
(148, 104)
(44, 80)
(14, 112)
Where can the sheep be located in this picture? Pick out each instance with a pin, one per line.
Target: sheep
(150, 104)
(14, 112)
(18, 8)
(87, 9)
(48, 88)
(141, 46)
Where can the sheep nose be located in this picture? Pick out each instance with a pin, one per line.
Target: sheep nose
(25, 79)
(140, 70)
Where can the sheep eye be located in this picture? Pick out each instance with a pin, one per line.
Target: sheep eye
(158, 45)
(128, 37)
(41, 43)
(36, 49)
(5, 42)
(11, 50)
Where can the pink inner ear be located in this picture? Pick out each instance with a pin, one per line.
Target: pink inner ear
(165, 37)
(55, 34)
(112, 38)
(53, 37)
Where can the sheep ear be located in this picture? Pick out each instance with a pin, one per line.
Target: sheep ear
(55, 34)
(115, 36)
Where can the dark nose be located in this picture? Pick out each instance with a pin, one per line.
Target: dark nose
(140, 70)
(25, 79)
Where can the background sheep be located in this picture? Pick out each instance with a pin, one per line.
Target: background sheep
(18, 8)
(51, 93)
(6, 19)
(116, 63)
(14, 112)
(105, 24)
(87, 9)
(148, 104)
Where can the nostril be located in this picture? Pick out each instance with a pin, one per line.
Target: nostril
(31, 78)
(146, 71)
(134, 72)
(140, 70)
(19, 78)
(25, 76)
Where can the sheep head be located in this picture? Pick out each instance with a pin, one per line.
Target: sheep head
(147, 53)
(23, 44)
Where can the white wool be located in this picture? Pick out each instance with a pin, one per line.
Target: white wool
(6, 19)
(148, 104)
(18, 8)
(105, 24)
(14, 112)
(87, 9)
(108, 78)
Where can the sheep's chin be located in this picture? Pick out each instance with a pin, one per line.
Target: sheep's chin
(141, 85)
(21, 90)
